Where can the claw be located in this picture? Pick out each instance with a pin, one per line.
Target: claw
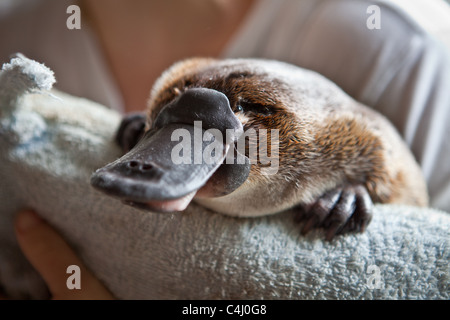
(342, 210)
(332, 230)
(309, 225)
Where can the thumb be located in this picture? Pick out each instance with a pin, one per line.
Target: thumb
(51, 256)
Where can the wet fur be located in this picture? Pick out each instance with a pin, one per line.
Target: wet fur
(327, 139)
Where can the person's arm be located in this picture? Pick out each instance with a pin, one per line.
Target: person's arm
(50, 255)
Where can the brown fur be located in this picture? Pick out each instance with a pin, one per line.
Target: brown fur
(326, 138)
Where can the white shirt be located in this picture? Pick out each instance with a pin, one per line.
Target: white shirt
(399, 70)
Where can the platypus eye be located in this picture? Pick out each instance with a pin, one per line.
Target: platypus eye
(256, 108)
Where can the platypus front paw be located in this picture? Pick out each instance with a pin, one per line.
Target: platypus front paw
(130, 131)
(344, 209)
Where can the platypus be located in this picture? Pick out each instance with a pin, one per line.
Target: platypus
(311, 147)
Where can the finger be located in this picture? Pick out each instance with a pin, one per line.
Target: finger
(51, 255)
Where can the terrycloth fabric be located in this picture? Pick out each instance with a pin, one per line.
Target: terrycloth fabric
(50, 145)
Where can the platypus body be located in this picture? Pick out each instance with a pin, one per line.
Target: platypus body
(310, 146)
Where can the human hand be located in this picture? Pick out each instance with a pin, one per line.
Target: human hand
(50, 255)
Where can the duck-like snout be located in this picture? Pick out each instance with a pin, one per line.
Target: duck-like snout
(186, 145)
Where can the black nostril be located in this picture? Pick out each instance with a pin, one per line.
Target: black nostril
(147, 166)
(139, 166)
(133, 164)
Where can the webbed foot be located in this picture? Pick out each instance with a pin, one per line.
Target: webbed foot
(342, 210)
(130, 131)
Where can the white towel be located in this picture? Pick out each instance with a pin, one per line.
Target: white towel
(50, 145)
